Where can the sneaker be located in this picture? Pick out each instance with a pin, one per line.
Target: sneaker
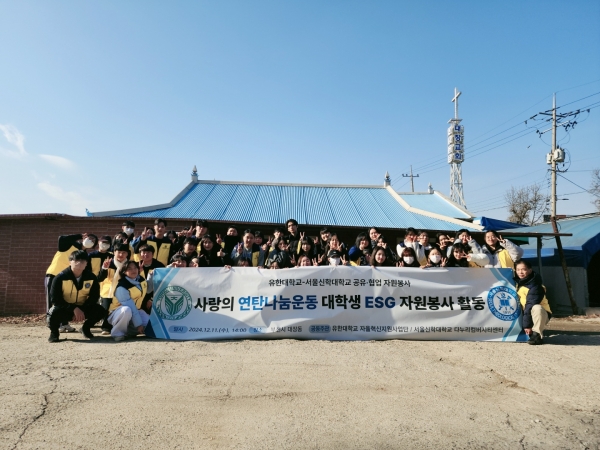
(535, 339)
(86, 333)
(54, 337)
(66, 329)
(119, 338)
(105, 333)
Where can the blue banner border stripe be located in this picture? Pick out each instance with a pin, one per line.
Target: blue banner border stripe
(162, 277)
(499, 274)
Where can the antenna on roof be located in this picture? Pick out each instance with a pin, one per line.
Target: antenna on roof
(430, 188)
(387, 180)
(194, 174)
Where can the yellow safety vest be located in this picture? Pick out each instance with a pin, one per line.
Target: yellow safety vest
(505, 260)
(524, 290)
(135, 293)
(255, 257)
(96, 264)
(74, 296)
(60, 261)
(107, 283)
(162, 253)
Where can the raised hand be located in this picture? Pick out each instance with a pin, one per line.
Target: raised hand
(144, 234)
(444, 261)
(344, 262)
(321, 258)
(220, 253)
(302, 234)
(316, 240)
(314, 262)
(219, 240)
(106, 263)
(500, 239)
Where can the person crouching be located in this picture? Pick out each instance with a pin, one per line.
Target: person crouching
(125, 312)
(532, 294)
(74, 294)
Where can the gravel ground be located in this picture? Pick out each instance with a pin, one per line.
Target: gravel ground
(146, 393)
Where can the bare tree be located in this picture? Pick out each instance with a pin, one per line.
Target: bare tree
(526, 205)
(595, 187)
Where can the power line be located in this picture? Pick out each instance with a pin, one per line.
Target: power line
(580, 187)
(575, 87)
(575, 101)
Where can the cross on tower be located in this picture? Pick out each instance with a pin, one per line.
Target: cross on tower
(455, 100)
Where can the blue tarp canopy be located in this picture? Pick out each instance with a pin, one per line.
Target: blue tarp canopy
(578, 248)
(494, 224)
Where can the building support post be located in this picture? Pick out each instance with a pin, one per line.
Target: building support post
(563, 261)
(539, 256)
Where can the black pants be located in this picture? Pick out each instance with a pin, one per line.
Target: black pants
(106, 304)
(62, 314)
(48, 285)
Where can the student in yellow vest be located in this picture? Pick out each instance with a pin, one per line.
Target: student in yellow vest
(147, 265)
(122, 238)
(248, 249)
(126, 314)
(74, 293)
(98, 257)
(66, 246)
(163, 246)
(108, 279)
(532, 294)
(501, 252)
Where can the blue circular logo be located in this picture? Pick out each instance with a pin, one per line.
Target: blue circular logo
(503, 303)
(173, 303)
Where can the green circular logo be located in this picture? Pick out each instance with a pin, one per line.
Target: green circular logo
(173, 303)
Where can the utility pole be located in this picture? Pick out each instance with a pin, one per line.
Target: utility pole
(412, 183)
(552, 152)
(557, 155)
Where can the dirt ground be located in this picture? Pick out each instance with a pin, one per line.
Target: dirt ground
(146, 394)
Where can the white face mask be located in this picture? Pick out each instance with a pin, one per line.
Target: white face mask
(87, 243)
(129, 231)
(408, 259)
(334, 261)
(104, 246)
(435, 258)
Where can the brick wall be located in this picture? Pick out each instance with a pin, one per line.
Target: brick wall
(29, 242)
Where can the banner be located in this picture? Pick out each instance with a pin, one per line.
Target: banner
(336, 303)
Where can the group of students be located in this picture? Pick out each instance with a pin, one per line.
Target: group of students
(111, 278)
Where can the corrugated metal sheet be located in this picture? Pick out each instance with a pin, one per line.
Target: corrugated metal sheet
(435, 204)
(311, 205)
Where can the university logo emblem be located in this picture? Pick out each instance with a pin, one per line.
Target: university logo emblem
(88, 285)
(503, 303)
(173, 303)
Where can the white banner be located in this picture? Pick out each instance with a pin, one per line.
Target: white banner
(336, 303)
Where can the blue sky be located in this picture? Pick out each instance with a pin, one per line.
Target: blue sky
(108, 105)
